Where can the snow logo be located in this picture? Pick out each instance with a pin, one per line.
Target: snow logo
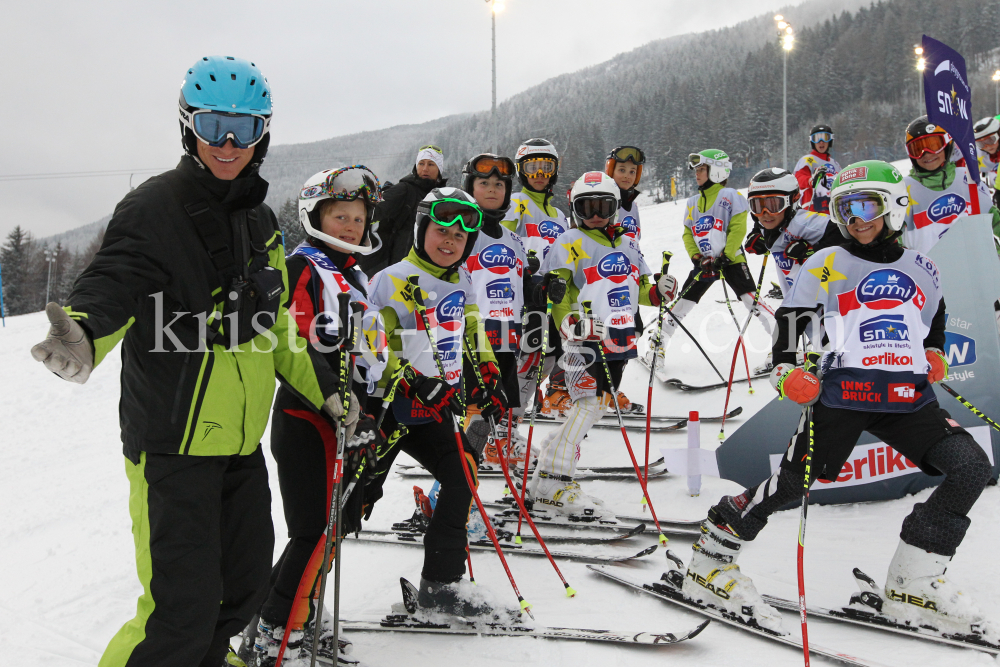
(615, 266)
(943, 211)
(884, 327)
(630, 225)
(497, 258)
(620, 297)
(959, 349)
(500, 289)
(882, 289)
(449, 349)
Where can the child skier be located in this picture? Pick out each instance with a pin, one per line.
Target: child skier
(715, 223)
(601, 266)
(871, 282)
(624, 164)
(940, 191)
(503, 284)
(445, 232)
(533, 218)
(815, 172)
(782, 227)
(336, 210)
(987, 133)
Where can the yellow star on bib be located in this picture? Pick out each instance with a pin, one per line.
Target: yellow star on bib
(575, 253)
(402, 293)
(827, 274)
(522, 208)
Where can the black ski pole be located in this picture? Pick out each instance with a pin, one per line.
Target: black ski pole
(333, 518)
(652, 366)
(973, 409)
(418, 300)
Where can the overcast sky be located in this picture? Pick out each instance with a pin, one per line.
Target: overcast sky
(93, 86)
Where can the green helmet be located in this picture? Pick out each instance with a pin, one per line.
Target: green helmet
(868, 190)
(719, 165)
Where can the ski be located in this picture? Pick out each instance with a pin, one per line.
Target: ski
(677, 383)
(659, 427)
(611, 418)
(668, 592)
(417, 540)
(595, 472)
(407, 528)
(408, 622)
(510, 511)
(874, 619)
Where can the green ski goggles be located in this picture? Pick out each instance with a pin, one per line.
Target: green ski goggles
(446, 212)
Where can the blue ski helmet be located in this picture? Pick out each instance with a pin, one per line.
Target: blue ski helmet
(227, 85)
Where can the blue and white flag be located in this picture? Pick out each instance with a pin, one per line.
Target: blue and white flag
(947, 96)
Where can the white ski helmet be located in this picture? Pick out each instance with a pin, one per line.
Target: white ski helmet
(595, 185)
(533, 149)
(985, 127)
(426, 213)
(343, 184)
(718, 163)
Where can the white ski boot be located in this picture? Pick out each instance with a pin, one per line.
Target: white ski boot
(918, 593)
(660, 368)
(766, 367)
(713, 578)
(562, 495)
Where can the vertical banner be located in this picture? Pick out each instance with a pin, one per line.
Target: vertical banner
(948, 98)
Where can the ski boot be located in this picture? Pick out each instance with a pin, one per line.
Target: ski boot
(557, 402)
(422, 514)
(766, 367)
(324, 650)
(464, 599)
(917, 592)
(513, 452)
(561, 494)
(627, 407)
(268, 642)
(713, 578)
(233, 659)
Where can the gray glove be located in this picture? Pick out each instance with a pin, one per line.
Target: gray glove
(334, 407)
(66, 350)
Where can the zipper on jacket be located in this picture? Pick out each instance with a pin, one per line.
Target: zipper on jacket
(175, 413)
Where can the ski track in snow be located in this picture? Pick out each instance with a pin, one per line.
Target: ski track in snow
(68, 581)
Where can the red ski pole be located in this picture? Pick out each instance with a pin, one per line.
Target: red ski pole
(534, 412)
(418, 300)
(621, 424)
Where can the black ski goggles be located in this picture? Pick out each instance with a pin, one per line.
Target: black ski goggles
(447, 212)
(770, 203)
(601, 206)
(215, 128)
(629, 154)
(488, 165)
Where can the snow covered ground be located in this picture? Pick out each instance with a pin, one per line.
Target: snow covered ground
(67, 578)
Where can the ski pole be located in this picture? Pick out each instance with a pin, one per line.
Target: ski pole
(739, 335)
(656, 348)
(677, 321)
(570, 592)
(534, 412)
(973, 409)
(808, 416)
(333, 518)
(621, 424)
(418, 300)
(732, 367)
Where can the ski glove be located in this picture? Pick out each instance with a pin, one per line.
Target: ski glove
(534, 264)
(362, 448)
(491, 399)
(755, 242)
(66, 351)
(795, 383)
(580, 328)
(432, 392)
(666, 286)
(334, 407)
(799, 251)
(555, 287)
(939, 364)
(713, 264)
